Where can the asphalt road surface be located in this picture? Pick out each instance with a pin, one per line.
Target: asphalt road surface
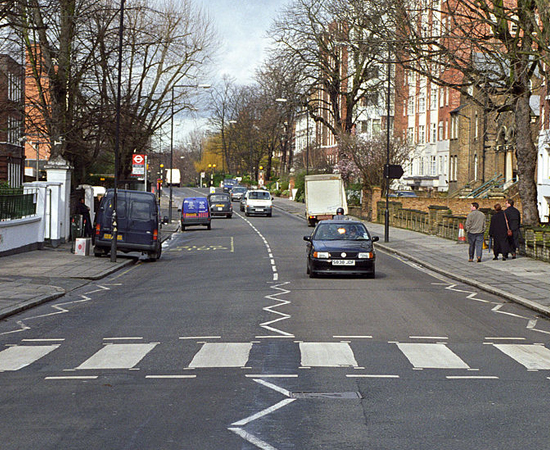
(225, 343)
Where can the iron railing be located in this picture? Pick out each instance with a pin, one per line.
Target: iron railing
(14, 204)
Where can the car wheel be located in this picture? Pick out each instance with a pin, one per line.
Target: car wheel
(182, 227)
(98, 252)
(269, 215)
(312, 274)
(372, 274)
(209, 226)
(229, 216)
(155, 255)
(307, 268)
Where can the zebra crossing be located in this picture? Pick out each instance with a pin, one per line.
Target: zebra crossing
(307, 355)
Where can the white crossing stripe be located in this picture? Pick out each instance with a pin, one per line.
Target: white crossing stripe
(228, 354)
(17, 357)
(327, 354)
(432, 356)
(533, 357)
(118, 356)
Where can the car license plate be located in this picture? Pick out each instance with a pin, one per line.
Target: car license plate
(259, 209)
(190, 214)
(220, 208)
(343, 262)
(110, 236)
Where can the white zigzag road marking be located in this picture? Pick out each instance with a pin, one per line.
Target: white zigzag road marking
(283, 316)
(59, 308)
(264, 412)
(531, 323)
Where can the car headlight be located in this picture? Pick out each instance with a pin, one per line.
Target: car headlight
(321, 255)
(365, 255)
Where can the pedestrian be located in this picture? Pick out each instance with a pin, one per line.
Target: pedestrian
(498, 230)
(514, 221)
(475, 227)
(84, 210)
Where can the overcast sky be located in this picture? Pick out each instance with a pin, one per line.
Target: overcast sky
(242, 26)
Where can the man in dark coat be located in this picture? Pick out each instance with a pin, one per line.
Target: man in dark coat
(84, 210)
(514, 221)
(498, 230)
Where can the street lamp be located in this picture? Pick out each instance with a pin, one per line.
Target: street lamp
(203, 86)
(114, 231)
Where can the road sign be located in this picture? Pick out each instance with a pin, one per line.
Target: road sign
(138, 166)
(394, 171)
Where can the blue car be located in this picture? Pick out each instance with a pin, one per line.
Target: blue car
(195, 211)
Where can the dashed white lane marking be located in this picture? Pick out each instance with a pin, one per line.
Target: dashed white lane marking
(533, 357)
(17, 357)
(169, 377)
(431, 356)
(118, 356)
(327, 354)
(230, 354)
(75, 377)
(471, 377)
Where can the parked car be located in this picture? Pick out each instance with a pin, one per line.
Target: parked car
(237, 192)
(258, 202)
(138, 223)
(195, 211)
(403, 194)
(340, 247)
(220, 205)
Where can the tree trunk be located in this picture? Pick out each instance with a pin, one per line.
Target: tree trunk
(366, 205)
(526, 153)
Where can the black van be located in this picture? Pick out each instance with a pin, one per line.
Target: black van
(138, 223)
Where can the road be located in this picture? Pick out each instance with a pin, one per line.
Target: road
(225, 343)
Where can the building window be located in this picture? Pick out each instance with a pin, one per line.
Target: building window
(434, 132)
(421, 134)
(433, 99)
(440, 137)
(405, 108)
(434, 166)
(475, 167)
(421, 104)
(410, 106)
(376, 126)
(476, 127)
(410, 135)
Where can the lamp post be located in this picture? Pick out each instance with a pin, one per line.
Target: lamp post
(387, 171)
(114, 230)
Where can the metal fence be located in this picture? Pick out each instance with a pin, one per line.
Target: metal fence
(14, 204)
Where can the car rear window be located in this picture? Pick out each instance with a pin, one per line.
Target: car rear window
(218, 198)
(259, 195)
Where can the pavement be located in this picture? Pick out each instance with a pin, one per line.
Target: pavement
(31, 278)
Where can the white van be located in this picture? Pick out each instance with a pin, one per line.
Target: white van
(258, 202)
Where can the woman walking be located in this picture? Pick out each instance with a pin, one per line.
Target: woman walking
(498, 230)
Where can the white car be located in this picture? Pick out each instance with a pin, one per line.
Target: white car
(257, 202)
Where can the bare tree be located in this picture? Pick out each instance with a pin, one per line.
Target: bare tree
(365, 159)
(499, 47)
(72, 48)
(329, 44)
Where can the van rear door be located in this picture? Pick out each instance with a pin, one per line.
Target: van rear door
(141, 221)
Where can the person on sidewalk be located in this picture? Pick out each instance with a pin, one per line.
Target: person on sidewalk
(475, 227)
(498, 230)
(514, 221)
(84, 210)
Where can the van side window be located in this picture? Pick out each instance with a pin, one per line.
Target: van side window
(120, 208)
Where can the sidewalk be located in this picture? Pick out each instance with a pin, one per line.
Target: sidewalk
(523, 280)
(31, 278)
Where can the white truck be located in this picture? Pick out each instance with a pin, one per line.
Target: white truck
(324, 194)
(173, 177)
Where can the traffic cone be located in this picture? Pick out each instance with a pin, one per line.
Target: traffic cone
(461, 234)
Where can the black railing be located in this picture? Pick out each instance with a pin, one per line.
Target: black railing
(14, 204)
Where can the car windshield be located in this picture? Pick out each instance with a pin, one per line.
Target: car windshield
(239, 189)
(333, 232)
(259, 195)
(218, 198)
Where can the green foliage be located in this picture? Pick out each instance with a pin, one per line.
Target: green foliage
(300, 185)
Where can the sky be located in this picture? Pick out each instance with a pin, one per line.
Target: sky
(242, 26)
